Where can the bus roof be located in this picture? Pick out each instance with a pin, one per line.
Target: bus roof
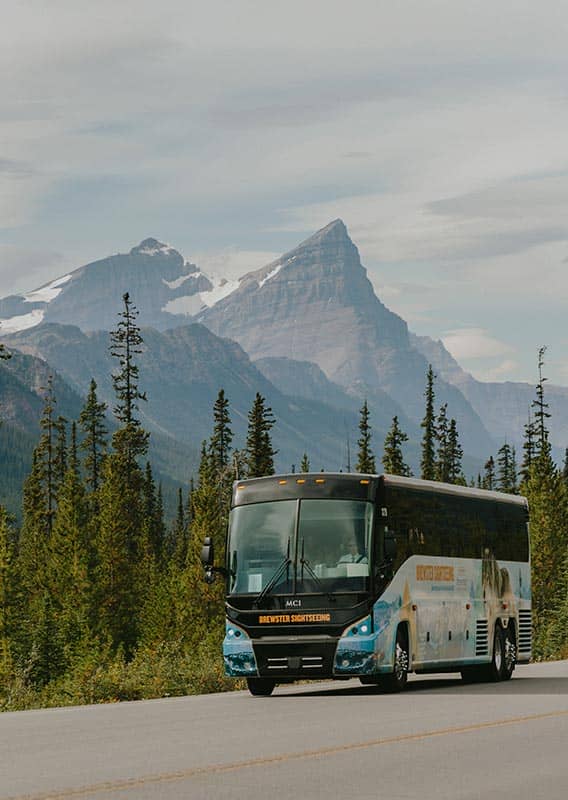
(293, 484)
(450, 488)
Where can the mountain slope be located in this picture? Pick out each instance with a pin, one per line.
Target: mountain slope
(182, 370)
(504, 407)
(316, 304)
(163, 286)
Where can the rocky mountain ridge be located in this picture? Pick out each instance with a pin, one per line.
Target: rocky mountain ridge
(311, 322)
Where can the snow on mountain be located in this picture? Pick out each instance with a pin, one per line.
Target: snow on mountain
(167, 290)
(47, 293)
(22, 322)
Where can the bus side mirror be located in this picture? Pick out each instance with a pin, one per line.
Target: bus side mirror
(390, 546)
(207, 552)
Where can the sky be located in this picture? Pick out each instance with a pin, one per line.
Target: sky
(233, 130)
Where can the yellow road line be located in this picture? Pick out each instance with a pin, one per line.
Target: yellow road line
(133, 783)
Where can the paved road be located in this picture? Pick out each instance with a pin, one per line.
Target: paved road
(439, 739)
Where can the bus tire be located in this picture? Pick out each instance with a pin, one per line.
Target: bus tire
(260, 687)
(509, 652)
(397, 679)
(496, 667)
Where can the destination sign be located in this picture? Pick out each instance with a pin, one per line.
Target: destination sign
(434, 572)
(292, 619)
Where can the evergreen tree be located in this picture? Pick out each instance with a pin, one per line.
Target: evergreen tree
(365, 458)
(442, 437)
(565, 466)
(124, 540)
(393, 460)
(222, 437)
(179, 537)
(489, 475)
(68, 562)
(60, 451)
(541, 411)
(45, 453)
(7, 600)
(529, 448)
(92, 423)
(220, 462)
(34, 536)
(118, 552)
(259, 451)
(455, 455)
(506, 469)
(131, 439)
(305, 463)
(543, 456)
(547, 496)
(428, 460)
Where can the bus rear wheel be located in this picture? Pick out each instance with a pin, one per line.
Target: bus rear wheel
(397, 679)
(260, 687)
(509, 653)
(496, 668)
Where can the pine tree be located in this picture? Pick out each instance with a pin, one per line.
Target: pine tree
(118, 552)
(565, 466)
(548, 502)
(428, 462)
(506, 469)
(60, 451)
(543, 457)
(222, 437)
(365, 457)
(393, 460)
(529, 448)
(455, 455)
(489, 475)
(305, 463)
(541, 410)
(442, 437)
(220, 462)
(123, 560)
(68, 561)
(92, 423)
(45, 453)
(7, 601)
(131, 439)
(179, 536)
(259, 451)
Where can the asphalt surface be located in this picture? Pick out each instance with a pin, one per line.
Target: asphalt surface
(439, 739)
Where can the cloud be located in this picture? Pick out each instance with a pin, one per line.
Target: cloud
(468, 343)
(233, 263)
(235, 129)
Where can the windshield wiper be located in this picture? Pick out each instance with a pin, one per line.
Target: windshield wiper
(305, 563)
(286, 561)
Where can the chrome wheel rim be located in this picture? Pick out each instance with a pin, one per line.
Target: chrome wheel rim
(510, 654)
(498, 654)
(400, 662)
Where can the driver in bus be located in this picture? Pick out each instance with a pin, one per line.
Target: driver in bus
(353, 556)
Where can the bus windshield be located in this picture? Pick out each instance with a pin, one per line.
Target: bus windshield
(326, 541)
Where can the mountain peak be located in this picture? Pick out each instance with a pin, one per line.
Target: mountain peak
(334, 231)
(152, 247)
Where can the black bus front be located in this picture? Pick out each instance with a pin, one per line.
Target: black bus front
(302, 570)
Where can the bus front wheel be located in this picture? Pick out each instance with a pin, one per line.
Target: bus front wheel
(396, 680)
(260, 687)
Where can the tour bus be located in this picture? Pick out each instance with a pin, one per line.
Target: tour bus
(373, 576)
